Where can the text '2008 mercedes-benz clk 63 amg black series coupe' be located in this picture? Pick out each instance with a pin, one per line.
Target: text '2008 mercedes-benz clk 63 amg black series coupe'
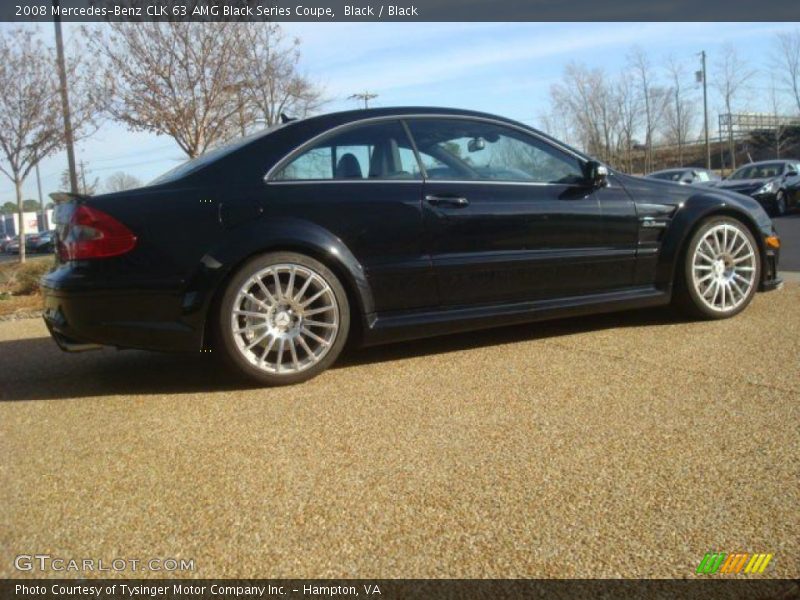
(388, 224)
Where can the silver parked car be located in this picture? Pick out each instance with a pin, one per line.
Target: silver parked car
(686, 176)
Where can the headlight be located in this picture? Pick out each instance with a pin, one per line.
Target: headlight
(768, 188)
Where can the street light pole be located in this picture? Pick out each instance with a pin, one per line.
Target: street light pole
(62, 77)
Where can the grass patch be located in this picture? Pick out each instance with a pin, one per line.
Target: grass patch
(19, 284)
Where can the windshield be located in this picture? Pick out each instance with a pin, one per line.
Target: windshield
(762, 171)
(193, 164)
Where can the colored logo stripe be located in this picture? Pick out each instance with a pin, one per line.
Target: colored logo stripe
(734, 563)
(710, 563)
(758, 563)
(717, 561)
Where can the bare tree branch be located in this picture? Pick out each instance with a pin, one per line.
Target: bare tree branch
(31, 126)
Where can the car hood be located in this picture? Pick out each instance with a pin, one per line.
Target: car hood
(744, 186)
(668, 192)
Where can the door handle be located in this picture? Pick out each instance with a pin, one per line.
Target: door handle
(453, 201)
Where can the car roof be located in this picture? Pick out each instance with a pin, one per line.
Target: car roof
(769, 162)
(675, 170)
(386, 111)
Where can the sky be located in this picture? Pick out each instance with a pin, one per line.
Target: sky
(501, 68)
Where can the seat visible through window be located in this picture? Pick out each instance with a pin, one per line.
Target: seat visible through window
(348, 167)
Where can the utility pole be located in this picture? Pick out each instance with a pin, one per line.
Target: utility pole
(705, 107)
(41, 202)
(62, 76)
(83, 177)
(365, 96)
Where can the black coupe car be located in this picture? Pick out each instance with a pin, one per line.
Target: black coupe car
(771, 182)
(388, 224)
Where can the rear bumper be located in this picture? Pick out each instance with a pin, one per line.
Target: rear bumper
(82, 319)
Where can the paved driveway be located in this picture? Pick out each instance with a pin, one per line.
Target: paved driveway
(789, 229)
(622, 445)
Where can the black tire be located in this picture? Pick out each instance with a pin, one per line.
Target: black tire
(686, 295)
(238, 357)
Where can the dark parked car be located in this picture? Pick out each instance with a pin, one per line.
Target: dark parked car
(388, 224)
(12, 247)
(40, 242)
(687, 176)
(766, 181)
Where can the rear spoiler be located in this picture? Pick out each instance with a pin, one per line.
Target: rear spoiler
(63, 197)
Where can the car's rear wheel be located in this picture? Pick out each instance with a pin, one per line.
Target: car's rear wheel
(284, 318)
(721, 269)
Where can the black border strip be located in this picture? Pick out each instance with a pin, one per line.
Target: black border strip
(709, 588)
(413, 10)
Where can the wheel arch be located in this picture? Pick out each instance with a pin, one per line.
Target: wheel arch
(289, 235)
(688, 219)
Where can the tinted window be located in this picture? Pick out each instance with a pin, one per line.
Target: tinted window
(667, 175)
(473, 150)
(703, 176)
(376, 151)
(762, 171)
(209, 157)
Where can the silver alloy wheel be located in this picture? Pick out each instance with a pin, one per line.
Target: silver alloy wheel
(285, 318)
(724, 267)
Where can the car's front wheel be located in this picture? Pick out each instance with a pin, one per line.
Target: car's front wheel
(721, 269)
(284, 318)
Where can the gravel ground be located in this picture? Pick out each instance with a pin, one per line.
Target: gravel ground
(622, 445)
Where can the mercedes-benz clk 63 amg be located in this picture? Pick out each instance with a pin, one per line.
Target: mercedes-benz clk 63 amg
(388, 224)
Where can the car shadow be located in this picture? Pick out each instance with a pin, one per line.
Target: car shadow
(35, 369)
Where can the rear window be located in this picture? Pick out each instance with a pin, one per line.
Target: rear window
(209, 157)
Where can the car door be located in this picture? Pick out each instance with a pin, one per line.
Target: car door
(511, 217)
(363, 185)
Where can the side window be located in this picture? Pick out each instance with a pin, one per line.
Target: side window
(376, 151)
(703, 176)
(473, 150)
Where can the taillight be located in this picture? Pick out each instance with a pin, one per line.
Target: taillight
(91, 233)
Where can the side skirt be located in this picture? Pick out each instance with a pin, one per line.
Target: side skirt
(419, 324)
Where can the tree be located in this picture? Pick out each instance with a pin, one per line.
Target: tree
(271, 82)
(788, 61)
(680, 113)
(120, 181)
(176, 78)
(585, 97)
(732, 75)
(654, 98)
(31, 125)
(31, 205)
(779, 133)
(9, 208)
(641, 65)
(630, 114)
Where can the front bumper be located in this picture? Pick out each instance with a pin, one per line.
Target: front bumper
(769, 278)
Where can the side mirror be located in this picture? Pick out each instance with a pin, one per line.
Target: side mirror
(596, 174)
